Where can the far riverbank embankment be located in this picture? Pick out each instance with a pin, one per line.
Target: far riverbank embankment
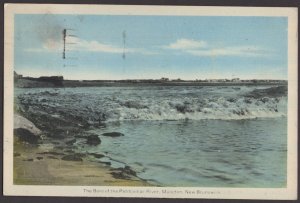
(44, 83)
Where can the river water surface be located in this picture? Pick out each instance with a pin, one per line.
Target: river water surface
(181, 136)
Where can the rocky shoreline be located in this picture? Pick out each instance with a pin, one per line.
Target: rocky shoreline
(43, 159)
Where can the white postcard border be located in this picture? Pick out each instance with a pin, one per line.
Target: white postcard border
(290, 192)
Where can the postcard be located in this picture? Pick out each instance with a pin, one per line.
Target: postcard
(150, 101)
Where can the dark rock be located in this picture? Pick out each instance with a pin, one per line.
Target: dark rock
(26, 136)
(264, 99)
(231, 100)
(52, 157)
(247, 101)
(120, 175)
(52, 153)
(180, 108)
(106, 163)
(134, 104)
(81, 155)
(39, 158)
(17, 154)
(72, 157)
(123, 173)
(47, 93)
(70, 142)
(129, 171)
(113, 134)
(93, 139)
(98, 156)
(183, 108)
(43, 100)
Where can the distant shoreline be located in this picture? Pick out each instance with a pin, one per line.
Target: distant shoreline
(68, 83)
(40, 83)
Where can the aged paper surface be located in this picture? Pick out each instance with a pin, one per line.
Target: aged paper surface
(64, 160)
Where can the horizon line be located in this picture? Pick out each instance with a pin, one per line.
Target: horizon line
(160, 78)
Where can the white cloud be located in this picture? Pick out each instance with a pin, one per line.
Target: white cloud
(241, 51)
(186, 44)
(75, 44)
(203, 49)
(94, 46)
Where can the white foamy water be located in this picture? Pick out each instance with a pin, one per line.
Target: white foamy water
(159, 103)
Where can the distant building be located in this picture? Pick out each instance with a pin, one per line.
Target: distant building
(177, 80)
(235, 80)
(164, 79)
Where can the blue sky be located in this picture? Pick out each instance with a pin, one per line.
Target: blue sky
(186, 47)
